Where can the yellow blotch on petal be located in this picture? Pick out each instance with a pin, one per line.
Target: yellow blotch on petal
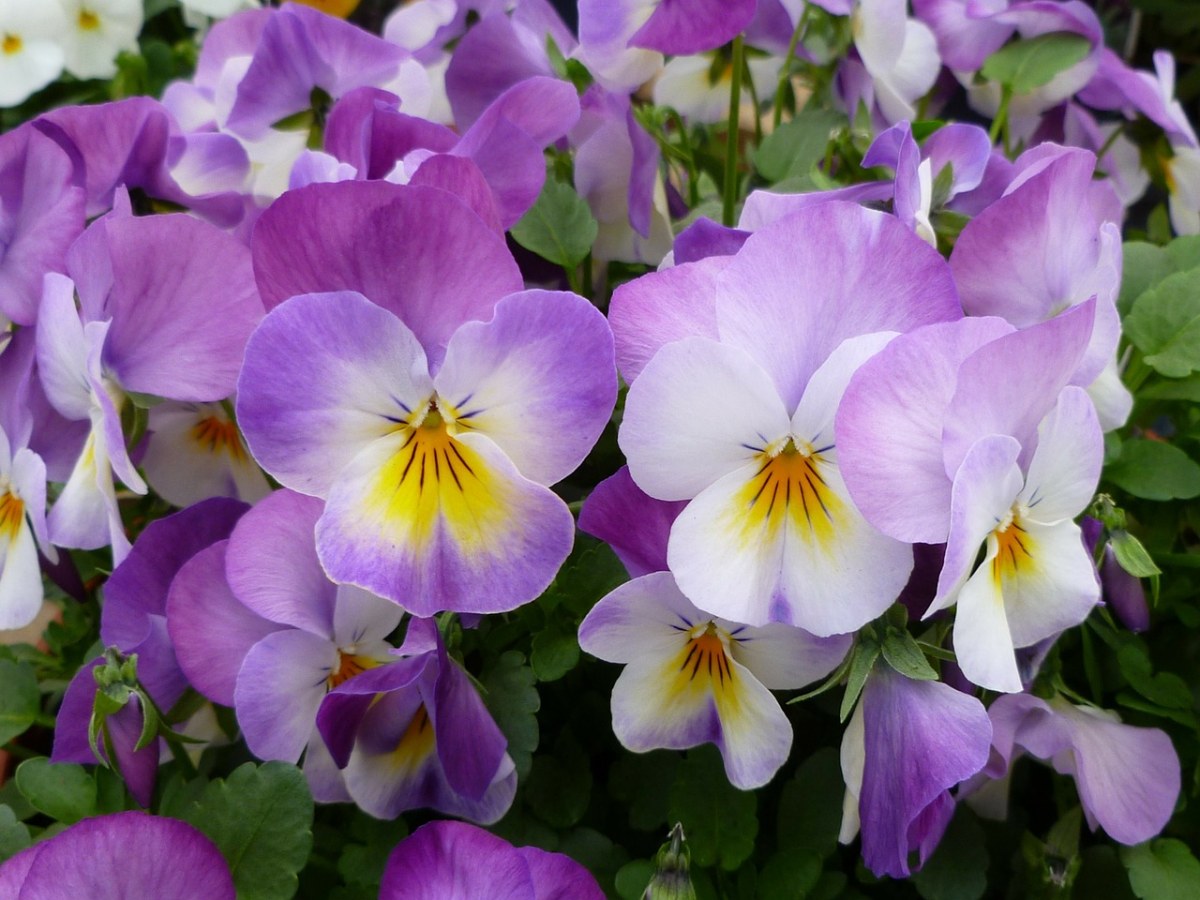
(218, 435)
(88, 20)
(349, 665)
(339, 8)
(435, 478)
(789, 488)
(11, 45)
(12, 514)
(1013, 550)
(416, 744)
(703, 668)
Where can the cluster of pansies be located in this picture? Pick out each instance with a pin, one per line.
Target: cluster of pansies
(284, 380)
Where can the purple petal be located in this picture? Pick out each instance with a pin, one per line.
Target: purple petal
(558, 877)
(630, 521)
(456, 861)
(272, 566)
(481, 539)
(922, 738)
(889, 428)
(280, 686)
(470, 744)
(179, 323)
(366, 130)
(681, 27)
(465, 180)
(41, 212)
(211, 630)
(860, 272)
(1033, 366)
(126, 855)
(326, 374)
(449, 268)
(661, 307)
(538, 379)
(704, 238)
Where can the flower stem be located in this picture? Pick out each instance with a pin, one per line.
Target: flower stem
(731, 146)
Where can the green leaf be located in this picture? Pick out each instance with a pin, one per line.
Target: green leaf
(1164, 869)
(642, 784)
(633, 877)
(789, 875)
(1143, 266)
(796, 146)
(363, 864)
(1028, 64)
(1173, 389)
(19, 699)
(63, 791)
(1165, 324)
(719, 820)
(1183, 252)
(560, 785)
(558, 227)
(513, 701)
(902, 653)
(14, 834)
(1155, 470)
(866, 651)
(810, 807)
(1132, 555)
(554, 653)
(260, 818)
(1164, 689)
(958, 868)
(590, 572)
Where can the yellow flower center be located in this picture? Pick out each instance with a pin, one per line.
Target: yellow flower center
(11, 44)
(218, 435)
(12, 513)
(88, 20)
(350, 663)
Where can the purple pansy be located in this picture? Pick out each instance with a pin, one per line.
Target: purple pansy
(431, 434)
(457, 861)
(415, 733)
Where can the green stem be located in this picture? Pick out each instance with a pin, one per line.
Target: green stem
(731, 144)
(1000, 123)
(786, 71)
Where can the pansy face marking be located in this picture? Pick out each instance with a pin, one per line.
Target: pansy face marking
(789, 487)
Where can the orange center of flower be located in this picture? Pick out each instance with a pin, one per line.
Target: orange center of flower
(11, 44)
(789, 487)
(349, 665)
(1012, 550)
(219, 435)
(12, 512)
(88, 20)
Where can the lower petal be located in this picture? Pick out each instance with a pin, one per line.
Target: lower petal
(436, 522)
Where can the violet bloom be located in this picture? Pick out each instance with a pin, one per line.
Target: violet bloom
(933, 452)
(415, 733)
(456, 861)
(736, 376)
(154, 318)
(433, 418)
(691, 678)
(907, 744)
(1128, 778)
(127, 854)
(257, 626)
(501, 153)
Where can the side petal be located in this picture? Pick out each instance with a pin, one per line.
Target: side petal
(538, 379)
(1065, 468)
(324, 375)
(279, 689)
(698, 411)
(630, 521)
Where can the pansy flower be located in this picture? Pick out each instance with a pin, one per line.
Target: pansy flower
(422, 394)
